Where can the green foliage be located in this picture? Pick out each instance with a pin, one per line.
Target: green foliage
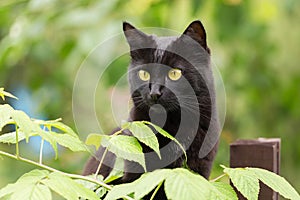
(36, 185)
(179, 183)
(144, 134)
(128, 146)
(223, 191)
(246, 180)
(26, 127)
(167, 135)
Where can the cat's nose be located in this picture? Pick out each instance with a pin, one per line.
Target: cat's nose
(155, 92)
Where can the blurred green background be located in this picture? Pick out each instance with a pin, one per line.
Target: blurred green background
(255, 44)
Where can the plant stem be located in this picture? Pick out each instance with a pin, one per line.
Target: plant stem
(55, 170)
(41, 151)
(105, 152)
(156, 190)
(75, 176)
(219, 177)
(101, 161)
(17, 142)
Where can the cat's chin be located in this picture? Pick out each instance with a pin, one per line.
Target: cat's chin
(157, 108)
(158, 114)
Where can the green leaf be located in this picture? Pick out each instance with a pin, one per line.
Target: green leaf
(4, 93)
(140, 187)
(144, 134)
(148, 181)
(88, 184)
(58, 125)
(276, 182)
(10, 138)
(244, 181)
(7, 190)
(126, 147)
(48, 137)
(5, 115)
(32, 192)
(95, 139)
(183, 184)
(222, 191)
(27, 186)
(24, 123)
(167, 135)
(117, 171)
(33, 176)
(120, 191)
(67, 187)
(73, 143)
(101, 191)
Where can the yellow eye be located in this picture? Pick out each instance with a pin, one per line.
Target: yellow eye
(144, 76)
(174, 74)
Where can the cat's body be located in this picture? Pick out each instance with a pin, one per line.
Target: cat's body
(172, 86)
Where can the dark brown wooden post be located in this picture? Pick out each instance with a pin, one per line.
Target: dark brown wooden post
(261, 153)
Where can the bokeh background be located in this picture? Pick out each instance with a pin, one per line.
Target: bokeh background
(255, 44)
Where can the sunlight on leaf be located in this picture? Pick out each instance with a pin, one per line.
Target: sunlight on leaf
(276, 182)
(95, 139)
(126, 147)
(244, 181)
(4, 93)
(167, 135)
(144, 134)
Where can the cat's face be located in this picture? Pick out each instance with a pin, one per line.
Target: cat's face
(163, 70)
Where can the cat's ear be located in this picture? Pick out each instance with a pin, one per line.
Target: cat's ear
(135, 37)
(197, 32)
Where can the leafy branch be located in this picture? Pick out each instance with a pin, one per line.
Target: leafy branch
(178, 183)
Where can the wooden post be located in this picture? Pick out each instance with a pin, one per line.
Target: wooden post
(261, 153)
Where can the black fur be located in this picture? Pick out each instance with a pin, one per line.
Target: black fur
(186, 107)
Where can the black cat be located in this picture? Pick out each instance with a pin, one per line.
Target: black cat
(172, 86)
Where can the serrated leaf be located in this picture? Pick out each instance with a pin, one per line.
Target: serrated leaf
(245, 182)
(33, 176)
(24, 123)
(100, 192)
(144, 134)
(117, 171)
(5, 115)
(183, 184)
(68, 188)
(4, 93)
(276, 182)
(56, 124)
(167, 135)
(32, 192)
(26, 185)
(88, 184)
(126, 147)
(148, 181)
(7, 190)
(222, 191)
(95, 139)
(72, 143)
(120, 191)
(48, 137)
(10, 138)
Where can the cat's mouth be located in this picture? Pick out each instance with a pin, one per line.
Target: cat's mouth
(152, 99)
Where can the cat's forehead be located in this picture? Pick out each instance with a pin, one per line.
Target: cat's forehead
(163, 42)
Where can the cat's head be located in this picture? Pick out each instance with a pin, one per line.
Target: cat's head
(170, 71)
